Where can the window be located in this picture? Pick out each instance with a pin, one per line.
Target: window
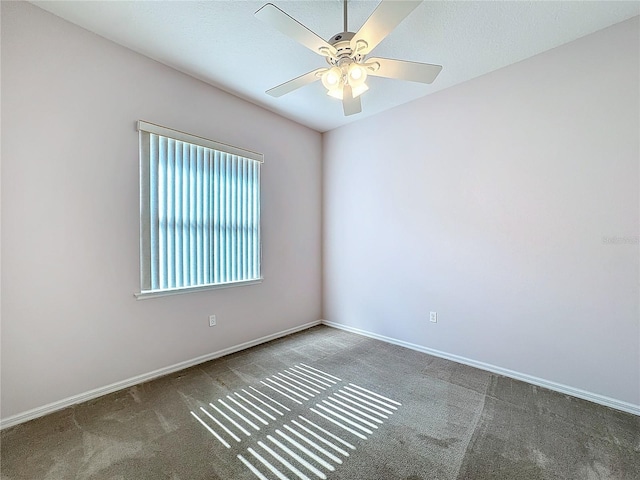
(199, 213)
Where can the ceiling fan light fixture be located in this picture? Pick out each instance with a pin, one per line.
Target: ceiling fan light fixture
(357, 75)
(336, 93)
(332, 78)
(359, 90)
(355, 92)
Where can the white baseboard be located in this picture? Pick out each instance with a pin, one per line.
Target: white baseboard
(145, 377)
(558, 387)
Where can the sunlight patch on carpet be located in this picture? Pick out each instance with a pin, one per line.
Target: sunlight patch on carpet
(299, 423)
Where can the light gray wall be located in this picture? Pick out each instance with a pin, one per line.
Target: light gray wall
(488, 203)
(70, 259)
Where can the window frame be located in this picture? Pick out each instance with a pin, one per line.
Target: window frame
(144, 127)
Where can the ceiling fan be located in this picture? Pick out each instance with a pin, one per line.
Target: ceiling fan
(346, 53)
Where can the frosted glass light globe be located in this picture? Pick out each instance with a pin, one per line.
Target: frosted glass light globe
(357, 75)
(331, 79)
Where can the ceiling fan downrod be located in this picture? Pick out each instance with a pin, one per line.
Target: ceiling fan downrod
(346, 29)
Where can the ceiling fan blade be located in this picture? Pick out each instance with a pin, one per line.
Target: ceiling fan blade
(387, 16)
(404, 70)
(294, 29)
(296, 83)
(350, 105)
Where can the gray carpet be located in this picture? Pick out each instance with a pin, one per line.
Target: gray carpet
(327, 404)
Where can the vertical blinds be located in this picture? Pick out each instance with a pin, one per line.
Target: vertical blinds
(200, 211)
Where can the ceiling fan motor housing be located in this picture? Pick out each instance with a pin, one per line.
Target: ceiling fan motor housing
(344, 53)
(341, 37)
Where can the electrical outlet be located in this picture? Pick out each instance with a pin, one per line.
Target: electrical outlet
(212, 320)
(433, 317)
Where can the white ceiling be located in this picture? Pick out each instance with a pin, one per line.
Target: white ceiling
(222, 43)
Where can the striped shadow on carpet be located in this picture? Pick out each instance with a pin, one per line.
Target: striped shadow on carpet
(302, 422)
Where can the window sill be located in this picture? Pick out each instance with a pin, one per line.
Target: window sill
(144, 295)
